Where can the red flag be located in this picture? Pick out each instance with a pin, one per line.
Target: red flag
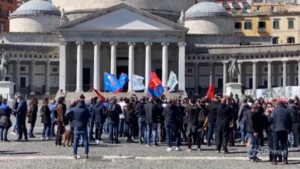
(211, 91)
(99, 95)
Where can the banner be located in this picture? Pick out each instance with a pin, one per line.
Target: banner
(137, 83)
(172, 82)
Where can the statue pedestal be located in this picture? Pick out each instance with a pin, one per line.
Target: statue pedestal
(7, 89)
(234, 88)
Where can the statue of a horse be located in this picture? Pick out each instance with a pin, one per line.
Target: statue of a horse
(4, 67)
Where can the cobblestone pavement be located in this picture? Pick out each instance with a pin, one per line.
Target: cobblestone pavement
(38, 154)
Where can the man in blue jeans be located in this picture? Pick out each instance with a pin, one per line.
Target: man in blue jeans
(243, 108)
(80, 115)
(141, 114)
(152, 114)
(113, 112)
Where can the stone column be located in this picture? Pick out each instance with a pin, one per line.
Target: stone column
(254, 78)
(298, 72)
(97, 69)
(165, 64)
(130, 65)
(240, 74)
(113, 58)
(224, 77)
(62, 66)
(147, 64)
(18, 82)
(196, 68)
(269, 75)
(47, 77)
(32, 73)
(211, 73)
(284, 73)
(181, 66)
(79, 67)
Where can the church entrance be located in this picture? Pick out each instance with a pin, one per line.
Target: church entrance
(86, 79)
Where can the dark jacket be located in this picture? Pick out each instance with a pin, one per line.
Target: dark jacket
(33, 114)
(171, 113)
(212, 111)
(152, 112)
(113, 112)
(45, 114)
(5, 113)
(100, 113)
(252, 123)
(129, 114)
(294, 112)
(224, 115)
(22, 110)
(243, 109)
(91, 110)
(140, 111)
(81, 117)
(192, 115)
(282, 119)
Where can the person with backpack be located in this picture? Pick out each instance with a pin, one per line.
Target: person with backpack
(5, 123)
(100, 117)
(130, 118)
(32, 115)
(113, 112)
(45, 119)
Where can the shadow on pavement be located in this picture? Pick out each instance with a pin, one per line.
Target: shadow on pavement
(16, 153)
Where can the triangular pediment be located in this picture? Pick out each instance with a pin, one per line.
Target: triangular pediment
(122, 17)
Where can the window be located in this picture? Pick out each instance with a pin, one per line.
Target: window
(290, 40)
(276, 24)
(54, 69)
(261, 25)
(2, 27)
(291, 23)
(248, 25)
(237, 25)
(244, 10)
(275, 40)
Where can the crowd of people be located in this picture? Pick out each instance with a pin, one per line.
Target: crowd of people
(221, 121)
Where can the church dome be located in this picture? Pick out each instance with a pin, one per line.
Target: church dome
(209, 18)
(36, 7)
(35, 16)
(205, 9)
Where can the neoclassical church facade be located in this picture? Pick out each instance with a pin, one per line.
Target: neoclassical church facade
(68, 45)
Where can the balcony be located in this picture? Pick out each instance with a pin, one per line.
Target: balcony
(236, 5)
(246, 5)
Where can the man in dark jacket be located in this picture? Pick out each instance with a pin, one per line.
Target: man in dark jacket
(294, 110)
(222, 125)
(211, 117)
(81, 116)
(192, 112)
(99, 112)
(282, 125)
(152, 113)
(21, 114)
(92, 118)
(171, 114)
(113, 112)
(141, 114)
(240, 121)
(251, 119)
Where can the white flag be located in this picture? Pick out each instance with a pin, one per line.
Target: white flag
(172, 82)
(137, 83)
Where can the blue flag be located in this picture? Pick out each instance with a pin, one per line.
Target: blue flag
(155, 87)
(111, 83)
(123, 80)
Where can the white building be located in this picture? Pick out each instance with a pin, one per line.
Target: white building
(132, 36)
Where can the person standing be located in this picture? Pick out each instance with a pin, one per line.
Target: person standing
(130, 118)
(295, 118)
(122, 126)
(251, 119)
(222, 125)
(171, 114)
(53, 110)
(152, 112)
(141, 114)
(92, 118)
(32, 116)
(211, 118)
(192, 112)
(282, 125)
(5, 123)
(15, 113)
(21, 114)
(100, 116)
(81, 116)
(113, 112)
(61, 111)
(241, 122)
(45, 119)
